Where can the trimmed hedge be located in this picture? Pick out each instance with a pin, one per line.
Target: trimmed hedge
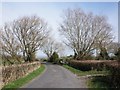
(87, 65)
(115, 73)
(112, 66)
(11, 73)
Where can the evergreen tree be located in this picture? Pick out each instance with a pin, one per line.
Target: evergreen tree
(54, 58)
(103, 54)
(118, 54)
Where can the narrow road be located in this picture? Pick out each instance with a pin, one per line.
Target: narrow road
(56, 76)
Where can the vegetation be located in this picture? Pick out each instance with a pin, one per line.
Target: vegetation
(103, 55)
(43, 59)
(8, 60)
(54, 58)
(51, 46)
(118, 54)
(22, 81)
(109, 69)
(83, 73)
(99, 79)
(85, 32)
(99, 83)
(88, 65)
(23, 36)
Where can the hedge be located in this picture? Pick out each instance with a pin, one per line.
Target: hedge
(112, 65)
(11, 73)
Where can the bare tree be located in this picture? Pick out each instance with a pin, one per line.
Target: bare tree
(0, 42)
(52, 46)
(26, 34)
(104, 38)
(113, 47)
(84, 31)
(9, 44)
(31, 33)
(1, 47)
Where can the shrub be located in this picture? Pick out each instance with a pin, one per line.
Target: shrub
(54, 58)
(103, 55)
(115, 73)
(113, 58)
(43, 59)
(118, 54)
(89, 57)
(11, 73)
(87, 65)
(111, 65)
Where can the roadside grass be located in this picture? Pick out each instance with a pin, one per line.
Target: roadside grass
(99, 83)
(95, 82)
(22, 81)
(84, 73)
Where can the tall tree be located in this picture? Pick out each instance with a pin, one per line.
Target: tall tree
(9, 44)
(84, 31)
(29, 33)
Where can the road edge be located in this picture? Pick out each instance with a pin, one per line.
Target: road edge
(35, 77)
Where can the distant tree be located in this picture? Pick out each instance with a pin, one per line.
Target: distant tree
(84, 32)
(103, 54)
(118, 54)
(113, 48)
(54, 58)
(51, 46)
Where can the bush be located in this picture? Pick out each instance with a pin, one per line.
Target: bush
(118, 54)
(87, 65)
(111, 65)
(113, 58)
(90, 57)
(11, 73)
(115, 73)
(43, 60)
(67, 59)
(103, 55)
(54, 58)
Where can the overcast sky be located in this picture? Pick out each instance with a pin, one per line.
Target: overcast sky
(52, 12)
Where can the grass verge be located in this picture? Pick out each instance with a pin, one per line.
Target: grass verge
(22, 81)
(84, 73)
(100, 83)
(96, 82)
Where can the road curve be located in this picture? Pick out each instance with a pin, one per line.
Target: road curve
(56, 76)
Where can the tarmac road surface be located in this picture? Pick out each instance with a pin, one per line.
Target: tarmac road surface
(56, 76)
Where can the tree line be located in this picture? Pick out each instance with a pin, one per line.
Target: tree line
(84, 33)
